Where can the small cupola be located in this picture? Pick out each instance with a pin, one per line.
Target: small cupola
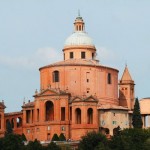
(79, 24)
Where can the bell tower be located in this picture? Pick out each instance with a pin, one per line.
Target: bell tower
(126, 90)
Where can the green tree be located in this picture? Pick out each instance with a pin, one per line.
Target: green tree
(55, 137)
(147, 144)
(93, 140)
(62, 137)
(23, 137)
(34, 145)
(136, 118)
(53, 146)
(13, 142)
(130, 139)
(1, 143)
(9, 129)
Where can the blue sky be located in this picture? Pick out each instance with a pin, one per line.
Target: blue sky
(33, 32)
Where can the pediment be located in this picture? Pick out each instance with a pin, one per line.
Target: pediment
(47, 92)
(76, 99)
(87, 99)
(90, 99)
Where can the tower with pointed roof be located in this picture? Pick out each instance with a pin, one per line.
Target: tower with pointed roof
(126, 90)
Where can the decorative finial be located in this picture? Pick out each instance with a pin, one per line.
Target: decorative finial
(36, 91)
(2, 101)
(24, 101)
(126, 63)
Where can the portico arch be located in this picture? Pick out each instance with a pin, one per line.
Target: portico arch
(49, 111)
(78, 116)
(90, 116)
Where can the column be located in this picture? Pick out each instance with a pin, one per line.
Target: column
(148, 120)
(31, 116)
(24, 118)
(143, 120)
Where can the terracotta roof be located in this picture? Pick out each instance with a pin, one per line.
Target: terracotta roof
(78, 62)
(126, 75)
(13, 113)
(146, 98)
(109, 106)
(29, 104)
(75, 62)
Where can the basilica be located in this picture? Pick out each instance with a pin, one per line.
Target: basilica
(77, 95)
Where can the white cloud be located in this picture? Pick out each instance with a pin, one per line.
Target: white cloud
(106, 54)
(42, 56)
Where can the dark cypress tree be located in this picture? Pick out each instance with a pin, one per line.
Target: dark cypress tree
(136, 118)
(55, 137)
(23, 137)
(62, 137)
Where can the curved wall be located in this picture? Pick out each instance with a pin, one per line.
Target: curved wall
(83, 80)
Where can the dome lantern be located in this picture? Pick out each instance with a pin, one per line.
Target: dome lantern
(79, 45)
(79, 23)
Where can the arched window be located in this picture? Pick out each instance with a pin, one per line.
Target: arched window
(78, 116)
(106, 130)
(12, 122)
(49, 113)
(80, 28)
(19, 122)
(56, 76)
(90, 116)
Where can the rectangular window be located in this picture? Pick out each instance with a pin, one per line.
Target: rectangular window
(71, 55)
(62, 113)
(109, 78)
(83, 55)
(93, 55)
(28, 130)
(62, 128)
(48, 128)
(114, 122)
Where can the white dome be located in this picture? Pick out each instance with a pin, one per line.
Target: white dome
(79, 38)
